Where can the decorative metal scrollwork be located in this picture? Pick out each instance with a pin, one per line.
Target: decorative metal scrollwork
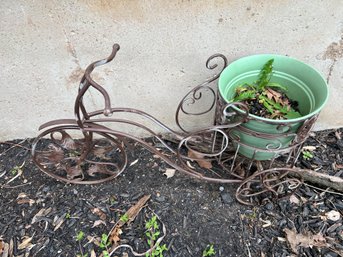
(86, 151)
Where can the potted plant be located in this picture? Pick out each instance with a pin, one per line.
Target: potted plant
(290, 91)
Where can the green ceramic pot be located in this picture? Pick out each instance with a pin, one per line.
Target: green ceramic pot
(304, 84)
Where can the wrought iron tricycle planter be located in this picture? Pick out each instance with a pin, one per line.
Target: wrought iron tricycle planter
(98, 153)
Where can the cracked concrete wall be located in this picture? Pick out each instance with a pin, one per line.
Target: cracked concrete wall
(46, 45)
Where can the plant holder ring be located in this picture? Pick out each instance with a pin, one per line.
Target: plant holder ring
(85, 150)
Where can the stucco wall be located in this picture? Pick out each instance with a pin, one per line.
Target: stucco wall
(45, 45)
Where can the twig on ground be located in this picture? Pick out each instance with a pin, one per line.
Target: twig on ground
(130, 215)
(11, 187)
(320, 179)
(14, 145)
(324, 190)
(20, 172)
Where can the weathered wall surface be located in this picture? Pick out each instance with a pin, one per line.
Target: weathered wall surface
(45, 46)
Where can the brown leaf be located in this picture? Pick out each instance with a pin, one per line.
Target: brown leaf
(41, 213)
(26, 200)
(4, 248)
(199, 158)
(99, 168)
(336, 166)
(99, 213)
(73, 172)
(274, 95)
(295, 240)
(98, 223)
(54, 155)
(101, 151)
(26, 243)
(115, 236)
(58, 221)
(67, 142)
(23, 198)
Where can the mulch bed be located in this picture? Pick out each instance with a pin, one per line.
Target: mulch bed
(43, 217)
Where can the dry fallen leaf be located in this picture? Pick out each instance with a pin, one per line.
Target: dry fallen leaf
(98, 223)
(309, 148)
(67, 141)
(99, 213)
(41, 213)
(170, 173)
(190, 165)
(58, 221)
(99, 168)
(295, 240)
(266, 223)
(199, 158)
(93, 253)
(2, 246)
(133, 163)
(73, 172)
(272, 94)
(115, 235)
(333, 215)
(294, 199)
(26, 243)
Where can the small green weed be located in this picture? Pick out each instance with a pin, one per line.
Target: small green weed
(152, 233)
(17, 169)
(82, 255)
(124, 218)
(209, 251)
(307, 155)
(80, 236)
(104, 243)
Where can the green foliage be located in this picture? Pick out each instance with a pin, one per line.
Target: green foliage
(82, 255)
(265, 75)
(307, 155)
(105, 254)
(104, 243)
(261, 91)
(209, 251)
(17, 169)
(80, 236)
(152, 234)
(68, 216)
(124, 218)
(246, 95)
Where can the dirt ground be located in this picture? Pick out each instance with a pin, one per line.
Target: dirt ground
(43, 217)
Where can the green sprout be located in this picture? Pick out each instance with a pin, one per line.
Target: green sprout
(152, 233)
(124, 218)
(307, 155)
(209, 251)
(80, 236)
(17, 169)
(104, 243)
(262, 92)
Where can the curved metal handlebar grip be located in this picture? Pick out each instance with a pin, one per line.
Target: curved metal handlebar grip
(90, 68)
